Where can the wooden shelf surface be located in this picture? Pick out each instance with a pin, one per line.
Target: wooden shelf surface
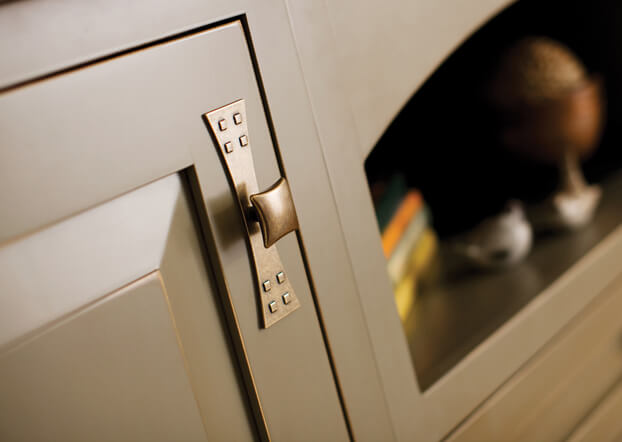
(463, 307)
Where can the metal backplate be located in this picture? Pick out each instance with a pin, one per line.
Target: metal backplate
(228, 126)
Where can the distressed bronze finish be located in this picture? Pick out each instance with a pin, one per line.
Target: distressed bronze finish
(274, 209)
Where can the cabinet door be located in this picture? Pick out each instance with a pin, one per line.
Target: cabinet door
(111, 329)
(491, 347)
(75, 140)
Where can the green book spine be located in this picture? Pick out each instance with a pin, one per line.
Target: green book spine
(390, 201)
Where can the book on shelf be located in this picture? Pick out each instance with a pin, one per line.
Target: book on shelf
(387, 198)
(398, 260)
(408, 241)
(404, 294)
(408, 210)
(416, 267)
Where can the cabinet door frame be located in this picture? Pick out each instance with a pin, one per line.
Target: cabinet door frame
(281, 89)
(433, 413)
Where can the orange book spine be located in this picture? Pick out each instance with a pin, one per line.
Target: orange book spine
(410, 206)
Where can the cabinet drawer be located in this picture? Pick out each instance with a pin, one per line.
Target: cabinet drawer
(547, 398)
(604, 423)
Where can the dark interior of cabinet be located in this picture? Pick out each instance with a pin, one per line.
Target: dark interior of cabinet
(445, 143)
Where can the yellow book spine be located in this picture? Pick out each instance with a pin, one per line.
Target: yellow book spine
(405, 294)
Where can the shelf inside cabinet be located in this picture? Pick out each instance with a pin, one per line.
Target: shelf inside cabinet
(463, 307)
(446, 143)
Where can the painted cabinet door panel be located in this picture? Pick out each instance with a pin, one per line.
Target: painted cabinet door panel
(132, 125)
(112, 371)
(111, 329)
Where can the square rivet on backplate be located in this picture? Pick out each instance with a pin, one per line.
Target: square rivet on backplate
(237, 118)
(273, 307)
(287, 298)
(267, 286)
(280, 277)
(228, 147)
(243, 140)
(222, 125)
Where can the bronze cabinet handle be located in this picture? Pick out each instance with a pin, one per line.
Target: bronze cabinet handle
(275, 212)
(273, 209)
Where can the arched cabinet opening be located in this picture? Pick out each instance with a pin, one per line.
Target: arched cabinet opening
(442, 168)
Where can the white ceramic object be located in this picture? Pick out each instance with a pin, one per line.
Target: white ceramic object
(499, 241)
(573, 205)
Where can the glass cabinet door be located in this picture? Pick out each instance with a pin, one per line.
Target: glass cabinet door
(466, 334)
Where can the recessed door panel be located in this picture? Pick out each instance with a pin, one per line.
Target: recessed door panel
(115, 372)
(109, 335)
(128, 121)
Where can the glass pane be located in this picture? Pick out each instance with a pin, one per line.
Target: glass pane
(442, 168)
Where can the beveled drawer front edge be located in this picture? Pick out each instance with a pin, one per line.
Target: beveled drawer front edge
(588, 338)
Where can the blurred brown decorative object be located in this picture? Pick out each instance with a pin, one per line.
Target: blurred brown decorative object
(552, 111)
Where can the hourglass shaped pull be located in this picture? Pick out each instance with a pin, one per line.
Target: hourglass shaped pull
(275, 211)
(268, 215)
